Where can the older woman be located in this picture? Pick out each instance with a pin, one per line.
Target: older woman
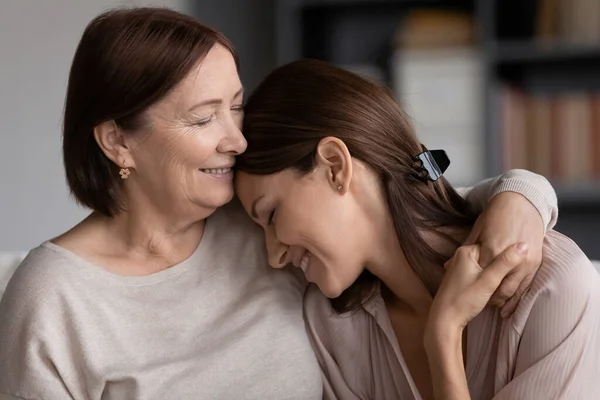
(346, 192)
(162, 292)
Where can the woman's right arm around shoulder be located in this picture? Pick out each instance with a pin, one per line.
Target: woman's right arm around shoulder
(555, 331)
(32, 337)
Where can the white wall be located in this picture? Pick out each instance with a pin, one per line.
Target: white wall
(37, 42)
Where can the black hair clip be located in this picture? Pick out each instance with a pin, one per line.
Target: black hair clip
(431, 164)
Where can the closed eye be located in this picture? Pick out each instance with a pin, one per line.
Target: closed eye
(204, 122)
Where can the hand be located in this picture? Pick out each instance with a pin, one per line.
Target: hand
(510, 218)
(467, 288)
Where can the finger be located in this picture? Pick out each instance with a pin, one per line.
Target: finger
(507, 288)
(488, 254)
(448, 263)
(466, 254)
(473, 235)
(511, 305)
(491, 277)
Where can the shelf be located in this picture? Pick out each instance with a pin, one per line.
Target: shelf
(526, 52)
(580, 195)
(546, 67)
(373, 3)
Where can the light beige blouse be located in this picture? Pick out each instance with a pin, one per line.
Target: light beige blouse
(548, 349)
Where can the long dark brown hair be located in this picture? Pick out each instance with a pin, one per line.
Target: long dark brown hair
(305, 101)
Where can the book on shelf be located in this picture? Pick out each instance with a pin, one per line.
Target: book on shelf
(572, 21)
(557, 136)
(427, 29)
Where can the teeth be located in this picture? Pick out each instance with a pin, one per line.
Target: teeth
(216, 171)
(305, 260)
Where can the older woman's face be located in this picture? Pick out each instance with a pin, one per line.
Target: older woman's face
(184, 164)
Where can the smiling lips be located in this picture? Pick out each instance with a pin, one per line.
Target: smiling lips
(216, 171)
(304, 261)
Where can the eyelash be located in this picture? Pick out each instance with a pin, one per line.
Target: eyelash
(271, 216)
(205, 122)
(238, 109)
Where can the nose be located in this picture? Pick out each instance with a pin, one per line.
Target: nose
(233, 143)
(278, 252)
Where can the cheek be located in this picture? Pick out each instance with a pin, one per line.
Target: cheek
(342, 246)
(312, 216)
(184, 150)
(291, 227)
(312, 223)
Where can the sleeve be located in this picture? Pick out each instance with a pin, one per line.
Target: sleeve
(534, 187)
(29, 368)
(558, 351)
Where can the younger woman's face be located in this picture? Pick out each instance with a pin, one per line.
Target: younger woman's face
(310, 223)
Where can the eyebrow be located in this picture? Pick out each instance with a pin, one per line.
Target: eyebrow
(215, 101)
(253, 211)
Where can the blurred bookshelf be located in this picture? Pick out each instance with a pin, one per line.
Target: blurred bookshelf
(500, 84)
(531, 52)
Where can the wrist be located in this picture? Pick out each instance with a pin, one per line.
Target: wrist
(517, 193)
(442, 336)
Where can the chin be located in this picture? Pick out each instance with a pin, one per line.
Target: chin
(213, 201)
(218, 197)
(331, 291)
(226, 198)
(333, 285)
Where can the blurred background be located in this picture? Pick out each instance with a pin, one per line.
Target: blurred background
(498, 84)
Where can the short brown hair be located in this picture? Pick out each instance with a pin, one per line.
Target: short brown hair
(127, 60)
(305, 101)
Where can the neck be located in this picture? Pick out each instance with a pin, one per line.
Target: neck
(155, 238)
(404, 289)
(166, 234)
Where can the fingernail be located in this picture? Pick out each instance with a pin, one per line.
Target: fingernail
(522, 248)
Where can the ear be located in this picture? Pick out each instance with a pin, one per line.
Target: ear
(335, 159)
(112, 143)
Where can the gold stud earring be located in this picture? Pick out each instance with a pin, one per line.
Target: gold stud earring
(124, 172)
(339, 187)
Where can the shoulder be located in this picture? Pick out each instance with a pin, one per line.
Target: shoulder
(43, 268)
(348, 346)
(567, 284)
(36, 323)
(233, 222)
(39, 277)
(332, 332)
(566, 270)
(32, 306)
(243, 241)
(236, 236)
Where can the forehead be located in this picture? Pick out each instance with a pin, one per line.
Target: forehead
(215, 77)
(250, 186)
(216, 71)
